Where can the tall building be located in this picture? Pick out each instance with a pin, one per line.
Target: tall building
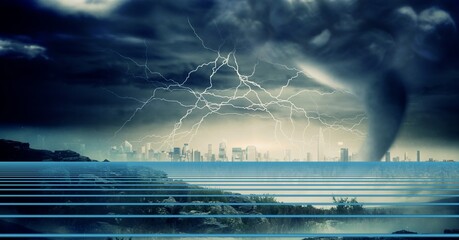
(127, 147)
(163, 156)
(176, 154)
(143, 153)
(387, 156)
(196, 156)
(308, 156)
(186, 153)
(266, 156)
(222, 152)
(147, 151)
(209, 152)
(344, 153)
(151, 155)
(418, 156)
(116, 153)
(251, 153)
(236, 154)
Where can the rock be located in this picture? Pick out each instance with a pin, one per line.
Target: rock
(404, 232)
(211, 225)
(243, 208)
(256, 225)
(170, 209)
(451, 231)
(13, 151)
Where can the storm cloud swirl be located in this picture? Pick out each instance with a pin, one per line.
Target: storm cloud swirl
(379, 51)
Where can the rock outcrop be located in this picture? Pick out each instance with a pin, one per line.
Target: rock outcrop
(14, 151)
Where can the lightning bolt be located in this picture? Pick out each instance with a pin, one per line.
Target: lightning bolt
(248, 98)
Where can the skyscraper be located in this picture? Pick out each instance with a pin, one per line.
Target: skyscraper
(418, 155)
(344, 153)
(266, 156)
(127, 147)
(143, 153)
(251, 152)
(308, 156)
(186, 154)
(236, 154)
(387, 156)
(147, 151)
(176, 154)
(209, 152)
(196, 156)
(222, 152)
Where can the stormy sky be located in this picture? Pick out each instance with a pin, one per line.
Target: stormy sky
(98, 72)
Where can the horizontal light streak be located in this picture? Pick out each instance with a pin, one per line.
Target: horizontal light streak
(213, 236)
(229, 195)
(226, 216)
(233, 204)
(228, 189)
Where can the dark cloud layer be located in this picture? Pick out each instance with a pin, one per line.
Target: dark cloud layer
(55, 66)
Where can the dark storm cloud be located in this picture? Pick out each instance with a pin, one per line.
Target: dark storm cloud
(383, 51)
(18, 49)
(76, 54)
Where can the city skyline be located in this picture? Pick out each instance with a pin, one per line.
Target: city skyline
(241, 154)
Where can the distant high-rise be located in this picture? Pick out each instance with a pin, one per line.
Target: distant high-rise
(162, 156)
(196, 156)
(147, 151)
(151, 155)
(344, 153)
(209, 153)
(143, 153)
(186, 153)
(308, 156)
(387, 156)
(251, 152)
(418, 156)
(266, 156)
(236, 154)
(127, 147)
(222, 152)
(176, 154)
